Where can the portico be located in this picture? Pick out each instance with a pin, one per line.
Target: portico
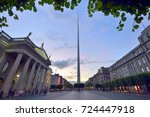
(23, 65)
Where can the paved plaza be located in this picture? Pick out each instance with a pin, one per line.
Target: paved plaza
(85, 95)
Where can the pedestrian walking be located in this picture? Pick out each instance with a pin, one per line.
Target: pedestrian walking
(1, 94)
(10, 93)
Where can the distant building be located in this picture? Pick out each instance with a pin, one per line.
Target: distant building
(136, 61)
(56, 80)
(101, 76)
(24, 66)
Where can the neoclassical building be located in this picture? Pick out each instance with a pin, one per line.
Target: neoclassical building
(24, 66)
(136, 61)
(101, 76)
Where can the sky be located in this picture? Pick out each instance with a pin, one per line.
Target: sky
(100, 42)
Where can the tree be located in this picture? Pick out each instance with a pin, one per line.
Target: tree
(119, 8)
(10, 6)
(88, 84)
(68, 85)
(59, 87)
(97, 86)
(79, 85)
(116, 8)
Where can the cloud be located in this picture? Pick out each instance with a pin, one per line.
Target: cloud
(54, 36)
(85, 61)
(61, 64)
(65, 46)
(71, 77)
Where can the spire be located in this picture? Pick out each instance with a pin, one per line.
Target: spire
(78, 50)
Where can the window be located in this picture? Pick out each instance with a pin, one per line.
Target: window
(139, 62)
(142, 70)
(147, 68)
(148, 35)
(5, 67)
(139, 51)
(143, 60)
(135, 53)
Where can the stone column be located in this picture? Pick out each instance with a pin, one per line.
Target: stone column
(36, 77)
(21, 82)
(41, 79)
(8, 82)
(29, 81)
(2, 61)
(44, 80)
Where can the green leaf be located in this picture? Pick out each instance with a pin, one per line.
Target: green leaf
(49, 1)
(72, 7)
(41, 3)
(133, 29)
(16, 17)
(124, 19)
(136, 26)
(10, 12)
(120, 22)
(67, 4)
(57, 8)
(99, 4)
(21, 9)
(117, 14)
(106, 13)
(62, 10)
(148, 16)
(79, 1)
(121, 25)
(123, 14)
(35, 9)
(90, 15)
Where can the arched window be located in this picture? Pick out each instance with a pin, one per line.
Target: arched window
(5, 67)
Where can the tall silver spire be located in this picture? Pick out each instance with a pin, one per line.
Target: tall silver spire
(78, 51)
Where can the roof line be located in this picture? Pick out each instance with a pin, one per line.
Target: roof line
(5, 34)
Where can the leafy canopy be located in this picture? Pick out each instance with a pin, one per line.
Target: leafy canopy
(117, 8)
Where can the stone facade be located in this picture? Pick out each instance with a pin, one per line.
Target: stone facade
(136, 61)
(24, 67)
(101, 76)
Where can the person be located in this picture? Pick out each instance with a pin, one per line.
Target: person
(36, 91)
(13, 93)
(10, 93)
(1, 94)
(45, 91)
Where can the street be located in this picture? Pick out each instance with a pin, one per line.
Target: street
(85, 95)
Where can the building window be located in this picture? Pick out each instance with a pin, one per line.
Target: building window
(147, 68)
(143, 60)
(148, 35)
(139, 62)
(5, 67)
(139, 51)
(142, 70)
(135, 53)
